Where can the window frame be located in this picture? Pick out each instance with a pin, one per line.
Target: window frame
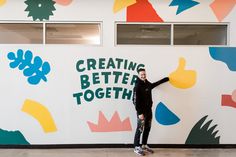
(22, 22)
(136, 23)
(207, 24)
(75, 22)
(172, 32)
(100, 23)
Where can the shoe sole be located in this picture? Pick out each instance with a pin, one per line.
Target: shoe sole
(139, 154)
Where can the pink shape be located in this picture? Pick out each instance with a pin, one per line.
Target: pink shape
(222, 8)
(63, 2)
(115, 124)
(234, 96)
(226, 100)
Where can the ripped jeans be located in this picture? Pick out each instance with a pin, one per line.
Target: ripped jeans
(143, 129)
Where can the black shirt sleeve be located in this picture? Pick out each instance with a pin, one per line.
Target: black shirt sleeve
(153, 85)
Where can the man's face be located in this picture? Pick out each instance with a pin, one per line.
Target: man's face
(142, 75)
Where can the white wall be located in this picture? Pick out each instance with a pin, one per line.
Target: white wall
(190, 105)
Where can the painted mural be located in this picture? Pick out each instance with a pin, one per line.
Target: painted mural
(62, 94)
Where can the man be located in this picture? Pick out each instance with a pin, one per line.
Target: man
(142, 98)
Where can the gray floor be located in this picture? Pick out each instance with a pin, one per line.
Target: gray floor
(116, 152)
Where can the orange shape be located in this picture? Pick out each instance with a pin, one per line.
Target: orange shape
(226, 100)
(63, 2)
(142, 11)
(120, 4)
(222, 8)
(115, 124)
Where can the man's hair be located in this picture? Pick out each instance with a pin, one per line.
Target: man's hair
(141, 69)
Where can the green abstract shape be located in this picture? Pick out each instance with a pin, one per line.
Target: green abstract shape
(204, 134)
(40, 9)
(12, 138)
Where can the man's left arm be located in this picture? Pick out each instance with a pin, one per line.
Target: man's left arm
(153, 85)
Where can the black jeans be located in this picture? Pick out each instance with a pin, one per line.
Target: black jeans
(146, 130)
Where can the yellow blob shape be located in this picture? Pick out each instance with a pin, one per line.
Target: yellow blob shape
(182, 78)
(2, 2)
(120, 4)
(41, 114)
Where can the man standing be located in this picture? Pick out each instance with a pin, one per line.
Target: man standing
(142, 98)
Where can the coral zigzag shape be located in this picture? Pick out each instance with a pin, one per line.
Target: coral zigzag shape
(115, 124)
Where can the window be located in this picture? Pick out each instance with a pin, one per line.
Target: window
(171, 34)
(143, 34)
(50, 33)
(21, 33)
(200, 34)
(73, 33)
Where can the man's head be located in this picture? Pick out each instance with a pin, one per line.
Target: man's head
(142, 74)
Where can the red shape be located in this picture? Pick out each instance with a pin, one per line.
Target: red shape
(115, 124)
(226, 100)
(142, 11)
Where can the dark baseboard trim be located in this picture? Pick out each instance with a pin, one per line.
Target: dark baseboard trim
(71, 146)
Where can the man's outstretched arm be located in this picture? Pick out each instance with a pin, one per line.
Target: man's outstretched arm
(159, 82)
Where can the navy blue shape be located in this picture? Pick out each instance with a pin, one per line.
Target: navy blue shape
(164, 116)
(226, 55)
(34, 71)
(183, 5)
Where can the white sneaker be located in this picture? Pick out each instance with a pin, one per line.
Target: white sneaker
(139, 151)
(146, 148)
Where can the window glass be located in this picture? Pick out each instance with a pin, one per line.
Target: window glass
(73, 33)
(143, 34)
(200, 34)
(21, 33)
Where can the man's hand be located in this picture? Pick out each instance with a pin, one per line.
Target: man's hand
(141, 117)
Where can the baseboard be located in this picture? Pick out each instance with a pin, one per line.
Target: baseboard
(69, 146)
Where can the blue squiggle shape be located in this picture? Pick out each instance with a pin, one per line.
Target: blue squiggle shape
(164, 116)
(34, 71)
(226, 55)
(183, 5)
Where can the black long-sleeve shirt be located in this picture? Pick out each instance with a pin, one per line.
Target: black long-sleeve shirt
(142, 94)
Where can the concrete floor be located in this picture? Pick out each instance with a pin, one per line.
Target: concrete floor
(116, 152)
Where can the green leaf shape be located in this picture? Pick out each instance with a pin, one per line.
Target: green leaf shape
(203, 133)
